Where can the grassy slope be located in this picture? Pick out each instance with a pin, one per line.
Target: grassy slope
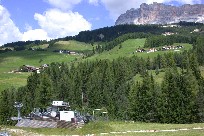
(158, 78)
(106, 127)
(128, 49)
(43, 46)
(13, 60)
(71, 45)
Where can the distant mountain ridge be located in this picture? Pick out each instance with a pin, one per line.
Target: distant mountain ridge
(159, 13)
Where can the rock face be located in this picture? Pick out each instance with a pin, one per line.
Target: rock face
(158, 13)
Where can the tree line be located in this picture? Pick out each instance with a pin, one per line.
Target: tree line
(161, 40)
(108, 35)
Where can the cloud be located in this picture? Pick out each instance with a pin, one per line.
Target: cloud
(94, 2)
(63, 4)
(60, 24)
(28, 27)
(8, 30)
(117, 7)
(36, 34)
(53, 23)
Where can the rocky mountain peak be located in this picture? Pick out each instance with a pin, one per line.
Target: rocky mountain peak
(159, 13)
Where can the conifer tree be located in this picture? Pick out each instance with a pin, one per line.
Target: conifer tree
(30, 92)
(4, 109)
(143, 101)
(189, 89)
(200, 101)
(170, 94)
(44, 92)
(134, 101)
(109, 89)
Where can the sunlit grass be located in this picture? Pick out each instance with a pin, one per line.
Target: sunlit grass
(11, 61)
(71, 45)
(43, 46)
(129, 47)
(107, 127)
(9, 80)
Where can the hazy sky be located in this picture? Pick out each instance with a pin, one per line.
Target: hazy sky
(49, 19)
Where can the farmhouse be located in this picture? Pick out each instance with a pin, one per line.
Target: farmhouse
(171, 47)
(167, 33)
(196, 30)
(140, 50)
(44, 66)
(64, 51)
(171, 26)
(72, 53)
(164, 48)
(29, 68)
(152, 50)
(167, 47)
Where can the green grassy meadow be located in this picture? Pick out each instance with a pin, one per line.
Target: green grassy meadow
(71, 45)
(158, 78)
(43, 46)
(129, 48)
(13, 60)
(10, 80)
(107, 127)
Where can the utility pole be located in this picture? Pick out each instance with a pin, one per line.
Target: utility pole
(18, 105)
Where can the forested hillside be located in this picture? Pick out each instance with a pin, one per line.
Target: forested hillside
(108, 34)
(110, 84)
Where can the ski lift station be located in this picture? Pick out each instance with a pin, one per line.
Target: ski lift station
(58, 115)
(64, 114)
